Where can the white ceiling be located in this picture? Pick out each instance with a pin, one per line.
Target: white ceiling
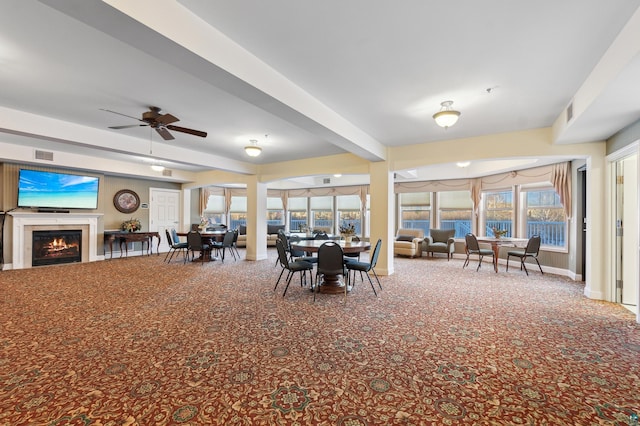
(306, 79)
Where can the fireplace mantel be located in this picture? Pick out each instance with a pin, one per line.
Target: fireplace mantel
(21, 220)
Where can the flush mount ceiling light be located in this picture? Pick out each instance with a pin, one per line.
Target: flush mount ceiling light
(447, 116)
(253, 150)
(463, 164)
(157, 167)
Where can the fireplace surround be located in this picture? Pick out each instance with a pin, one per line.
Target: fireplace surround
(24, 223)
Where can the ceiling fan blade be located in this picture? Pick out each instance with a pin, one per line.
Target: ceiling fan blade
(167, 119)
(164, 133)
(189, 131)
(128, 126)
(119, 113)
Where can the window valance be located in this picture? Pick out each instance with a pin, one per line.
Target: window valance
(559, 175)
(359, 190)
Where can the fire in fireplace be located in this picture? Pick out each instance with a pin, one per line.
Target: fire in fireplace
(55, 247)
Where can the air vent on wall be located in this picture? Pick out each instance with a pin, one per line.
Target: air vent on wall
(166, 172)
(326, 181)
(43, 155)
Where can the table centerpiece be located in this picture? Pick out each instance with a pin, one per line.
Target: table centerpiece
(499, 233)
(348, 231)
(131, 225)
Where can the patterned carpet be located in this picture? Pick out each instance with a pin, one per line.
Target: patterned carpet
(139, 342)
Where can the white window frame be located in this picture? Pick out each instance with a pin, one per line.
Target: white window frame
(482, 216)
(522, 215)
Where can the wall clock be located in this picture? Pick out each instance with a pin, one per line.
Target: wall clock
(126, 201)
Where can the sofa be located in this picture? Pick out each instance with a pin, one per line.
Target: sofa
(272, 235)
(408, 242)
(440, 241)
(325, 229)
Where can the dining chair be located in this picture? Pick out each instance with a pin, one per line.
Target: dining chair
(222, 246)
(532, 250)
(330, 262)
(472, 247)
(235, 243)
(175, 245)
(195, 244)
(299, 254)
(349, 257)
(285, 241)
(366, 267)
(292, 267)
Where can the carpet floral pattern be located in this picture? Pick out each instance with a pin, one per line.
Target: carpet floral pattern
(139, 342)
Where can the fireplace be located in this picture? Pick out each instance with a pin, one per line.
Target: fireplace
(27, 222)
(56, 246)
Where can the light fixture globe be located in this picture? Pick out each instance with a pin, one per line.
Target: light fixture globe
(253, 150)
(447, 116)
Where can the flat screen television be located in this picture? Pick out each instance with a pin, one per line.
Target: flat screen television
(51, 191)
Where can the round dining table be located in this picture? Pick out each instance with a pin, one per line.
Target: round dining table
(496, 243)
(331, 284)
(207, 238)
(211, 235)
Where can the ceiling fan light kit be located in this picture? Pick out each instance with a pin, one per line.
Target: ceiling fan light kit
(253, 150)
(447, 116)
(160, 122)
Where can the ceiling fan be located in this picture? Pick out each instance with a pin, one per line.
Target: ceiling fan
(160, 122)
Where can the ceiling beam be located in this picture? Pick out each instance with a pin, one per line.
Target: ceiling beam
(169, 32)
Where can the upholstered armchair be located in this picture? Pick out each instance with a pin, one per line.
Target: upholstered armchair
(440, 241)
(408, 242)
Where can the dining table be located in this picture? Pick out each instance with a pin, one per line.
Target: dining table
(309, 236)
(207, 238)
(496, 243)
(331, 284)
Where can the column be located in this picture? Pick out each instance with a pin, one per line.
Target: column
(381, 193)
(256, 219)
(597, 256)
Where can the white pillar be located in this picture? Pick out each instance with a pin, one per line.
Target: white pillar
(597, 253)
(256, 220)
(381, 192)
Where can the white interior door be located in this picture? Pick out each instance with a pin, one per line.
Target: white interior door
(630, 240)
(164, 212)
(627, 230)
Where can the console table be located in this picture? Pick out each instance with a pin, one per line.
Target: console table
(124, 237)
